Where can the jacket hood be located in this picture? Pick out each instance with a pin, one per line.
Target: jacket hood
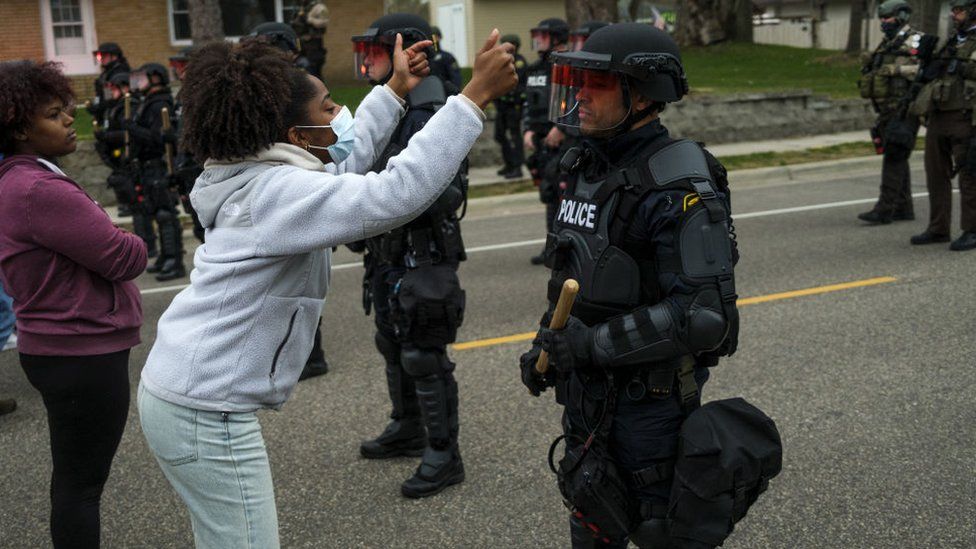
(220, 179)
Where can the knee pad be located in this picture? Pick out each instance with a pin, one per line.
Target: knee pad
(387, 347)
(423, 363)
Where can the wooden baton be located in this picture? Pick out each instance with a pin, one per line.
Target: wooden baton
(167, 125)
(559, 317)
(128, 115)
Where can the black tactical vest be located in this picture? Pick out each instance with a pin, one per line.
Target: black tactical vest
(590, 240)
(537, 95)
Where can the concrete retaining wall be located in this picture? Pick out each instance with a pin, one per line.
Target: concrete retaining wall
(711, 119)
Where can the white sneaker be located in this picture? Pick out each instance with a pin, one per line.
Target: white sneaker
(11, 343)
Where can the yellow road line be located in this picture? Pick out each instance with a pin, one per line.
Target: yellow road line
(528, 336)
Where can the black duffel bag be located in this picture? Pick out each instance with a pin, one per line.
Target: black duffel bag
(728, 452)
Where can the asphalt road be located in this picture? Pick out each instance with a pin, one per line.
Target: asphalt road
(872, 388)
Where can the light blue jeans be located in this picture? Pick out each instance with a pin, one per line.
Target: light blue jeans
(7, 319)
(218, 464)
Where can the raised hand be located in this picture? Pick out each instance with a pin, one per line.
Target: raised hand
(410, 66)
(494, 72)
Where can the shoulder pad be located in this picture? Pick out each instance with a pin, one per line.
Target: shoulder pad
(430, 92)
(680, 160)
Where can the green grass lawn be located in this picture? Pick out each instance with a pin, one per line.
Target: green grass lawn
(737, 68)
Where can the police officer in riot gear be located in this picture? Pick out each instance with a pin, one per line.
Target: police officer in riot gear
(949, 99)
(155, 200)
(187, 169)
(110, 143)
(886, 80)
(443, 64)
(541, 136)
(644, 226)
(412, 284)
(111, 61)
(508, 119)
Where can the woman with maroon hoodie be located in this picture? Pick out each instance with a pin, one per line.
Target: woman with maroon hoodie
(69, 270)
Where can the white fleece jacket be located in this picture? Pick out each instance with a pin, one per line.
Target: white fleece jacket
(237, 338)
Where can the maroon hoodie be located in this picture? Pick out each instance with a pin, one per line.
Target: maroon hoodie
(68, 268)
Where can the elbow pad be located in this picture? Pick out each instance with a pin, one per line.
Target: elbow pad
(650, 334)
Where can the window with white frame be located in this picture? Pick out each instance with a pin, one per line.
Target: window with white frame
(239, 16)
(69, 35)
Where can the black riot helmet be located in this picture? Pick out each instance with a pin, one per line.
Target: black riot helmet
(141, 79)
(578, 36)
(107, 48)
(179, 62)
(380, 39)
(548, 34)
(279, 35)
(615, 63)
(115, 87)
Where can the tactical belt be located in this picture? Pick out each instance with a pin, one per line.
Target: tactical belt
(417, 247)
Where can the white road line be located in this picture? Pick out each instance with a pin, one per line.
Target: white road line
(538, 241)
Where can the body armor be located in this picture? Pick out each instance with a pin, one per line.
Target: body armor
(954, 85)
(888, 73)
(537, 91)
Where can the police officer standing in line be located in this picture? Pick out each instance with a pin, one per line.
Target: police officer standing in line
(110, 143)
(443, 64)
(508, 118)
(950, 142)
(541, 136)
(412, 284)
(578, 36)
(187, 169)
(886, 78)
(111, 61)
(154, 198)
(645, 228)
(283, 37)
(310, 25)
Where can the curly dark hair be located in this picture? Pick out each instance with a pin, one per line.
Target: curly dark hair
(25, 87)
(239, 99)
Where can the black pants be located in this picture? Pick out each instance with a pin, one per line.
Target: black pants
(508, 133)
(896, 179)
(87, 401)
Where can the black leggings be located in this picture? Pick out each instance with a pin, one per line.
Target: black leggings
(87, 401)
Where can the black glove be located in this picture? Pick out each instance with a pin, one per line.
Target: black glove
(137, 132)
(536, 382)
(169, 137)
(569, 348)
(970, 166)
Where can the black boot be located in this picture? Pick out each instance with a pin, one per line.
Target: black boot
(405, 435)
(316, 364)
(903, 215)
(876, 217)
(441, 465)
(514, 172)
(158, 264)
(7, 405)
(503, 169)
(171, 245)
(965, 242)
(125, 210)
(929, 238)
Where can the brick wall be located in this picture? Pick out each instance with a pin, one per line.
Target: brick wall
(140, 27)
(20, 30)
(347, 18)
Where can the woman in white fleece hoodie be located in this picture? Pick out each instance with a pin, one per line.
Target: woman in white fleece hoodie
(275, 196)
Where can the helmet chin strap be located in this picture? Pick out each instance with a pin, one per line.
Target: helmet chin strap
(633, 117)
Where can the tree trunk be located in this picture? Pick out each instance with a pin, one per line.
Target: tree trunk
(581, 11)
(742, 21)
(926, 16)
(206, 23)
(704, 22)
(857, 23)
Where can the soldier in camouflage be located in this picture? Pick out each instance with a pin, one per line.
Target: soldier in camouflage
(886, 79)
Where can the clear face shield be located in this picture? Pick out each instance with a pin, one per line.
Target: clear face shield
(576, 41)
(589, 100)
(139, 80)
(541, 40)
(111, 92)
(366, 55)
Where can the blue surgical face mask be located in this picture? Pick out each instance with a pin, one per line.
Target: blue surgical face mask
(344, 126)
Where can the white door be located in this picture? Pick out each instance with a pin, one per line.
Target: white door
(69, 34)
(452, 21)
